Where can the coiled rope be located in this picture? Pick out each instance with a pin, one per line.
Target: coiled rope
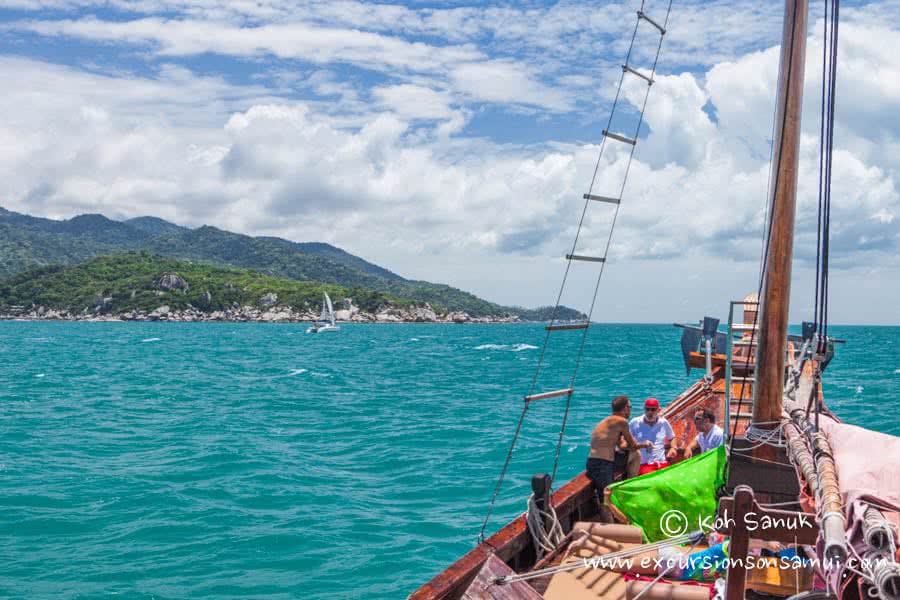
(545, 538)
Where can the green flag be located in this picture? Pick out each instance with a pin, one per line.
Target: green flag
(689, 487)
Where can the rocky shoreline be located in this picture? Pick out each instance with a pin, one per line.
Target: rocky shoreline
(243, 314)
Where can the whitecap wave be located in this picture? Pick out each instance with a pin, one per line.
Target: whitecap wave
(316, 374)
(414, 339)
(520, 347)
(896, 371)
(491, 347)
(41, 375)
(296, 372)
(146, 340)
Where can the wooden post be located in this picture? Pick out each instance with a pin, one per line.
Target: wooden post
(773, 316)
(740, 544)
(734, 520)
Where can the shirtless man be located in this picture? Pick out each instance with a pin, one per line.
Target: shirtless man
(605, 440)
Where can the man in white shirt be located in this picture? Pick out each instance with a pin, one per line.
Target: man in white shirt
(709, 435)
(657, 430)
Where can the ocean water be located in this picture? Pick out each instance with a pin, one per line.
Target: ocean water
(180, 460)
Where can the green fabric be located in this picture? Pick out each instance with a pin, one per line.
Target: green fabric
(689, 487)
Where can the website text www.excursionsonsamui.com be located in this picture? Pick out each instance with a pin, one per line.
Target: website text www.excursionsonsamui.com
(709, 562)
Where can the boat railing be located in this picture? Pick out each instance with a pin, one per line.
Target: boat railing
(730, 344)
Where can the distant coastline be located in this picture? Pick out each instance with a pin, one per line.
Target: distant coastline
(252, 314)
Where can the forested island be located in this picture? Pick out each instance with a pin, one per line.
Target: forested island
(93, 268)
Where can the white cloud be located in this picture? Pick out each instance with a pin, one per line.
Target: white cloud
(319, 45)
(415, 102)
(372, 169)
(506, 82)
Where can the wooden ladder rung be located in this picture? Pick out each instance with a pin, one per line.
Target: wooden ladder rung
(642, 15)
(742, 416)
(585, 258)
(620, 137)
(628, 69)
(602, 199)
(566, 326)
(553, 394)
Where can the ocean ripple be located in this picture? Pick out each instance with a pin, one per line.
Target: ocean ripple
(213, 465)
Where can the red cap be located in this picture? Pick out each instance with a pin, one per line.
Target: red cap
(651, 403)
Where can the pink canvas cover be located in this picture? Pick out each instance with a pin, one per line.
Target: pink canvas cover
(868, 462)
(868, 470)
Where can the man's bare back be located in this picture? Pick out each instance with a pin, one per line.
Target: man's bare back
(606, 436)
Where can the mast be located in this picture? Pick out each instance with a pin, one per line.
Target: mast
(776, 290)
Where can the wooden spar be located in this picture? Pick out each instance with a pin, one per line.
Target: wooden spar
(816, 462)
(801, 456)
(828, 500)
(773, 318)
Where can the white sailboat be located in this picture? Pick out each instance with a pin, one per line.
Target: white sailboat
(325, 322)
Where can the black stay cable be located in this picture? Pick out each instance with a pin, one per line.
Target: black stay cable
(826, 154)
(826, 241)
(821, 212)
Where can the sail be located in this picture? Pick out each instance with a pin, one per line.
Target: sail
(330, 316)
(325, 315)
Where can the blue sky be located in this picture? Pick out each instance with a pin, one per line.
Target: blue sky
(452, 141)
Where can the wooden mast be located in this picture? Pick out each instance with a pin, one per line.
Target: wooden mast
(774, 302)
(762, 466)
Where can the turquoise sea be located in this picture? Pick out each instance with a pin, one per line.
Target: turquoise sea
(170, 460)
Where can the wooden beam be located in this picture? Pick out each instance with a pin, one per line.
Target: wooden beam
(770, 524)
(777, 481)
(736, 579)
(566, 326)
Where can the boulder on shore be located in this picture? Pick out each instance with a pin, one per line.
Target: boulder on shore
(172, 281)
(160, 314)
(457, 317)
(270, 299)
(422, 314)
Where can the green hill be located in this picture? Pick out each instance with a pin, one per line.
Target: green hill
(134, 281)
(28, 242)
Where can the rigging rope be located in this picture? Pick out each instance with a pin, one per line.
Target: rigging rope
(611, 229)
(826, 152)
(562, 287)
